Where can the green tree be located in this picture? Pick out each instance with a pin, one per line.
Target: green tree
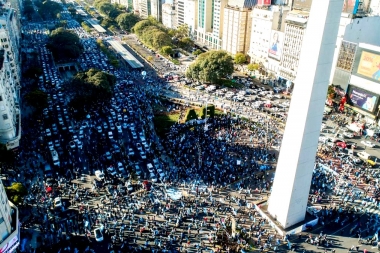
(166, 50)
(211, 66)
(37, 99)
(127, 20)
(49, 9)
(28, 9)
(197, 52)
(89, 88)
(139, 27)
(253, 66)
(190, 115)
(182, 31)
(33, 72)
(64, 44)
(240, 58)
(16, 193)
(186, 43)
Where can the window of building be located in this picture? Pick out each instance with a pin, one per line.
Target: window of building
(5, 116)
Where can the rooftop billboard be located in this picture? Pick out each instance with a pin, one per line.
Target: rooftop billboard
(275, 46)
(363, 99)
(367, 65)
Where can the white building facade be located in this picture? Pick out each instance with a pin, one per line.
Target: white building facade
(10, 73)
(210, 23)
(156, 9)
(169, 18)
(236, 34)
(295, 27)
(191, 16)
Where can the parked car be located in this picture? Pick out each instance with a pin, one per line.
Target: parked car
(98, 235)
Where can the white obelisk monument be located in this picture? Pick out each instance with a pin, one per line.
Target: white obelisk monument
(289, 196)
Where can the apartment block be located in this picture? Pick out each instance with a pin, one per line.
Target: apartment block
(10, 74)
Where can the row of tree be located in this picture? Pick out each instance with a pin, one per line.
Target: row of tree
(114, 16)
(48, 9)
(152, 33)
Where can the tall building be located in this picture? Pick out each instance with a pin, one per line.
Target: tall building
(291, 186)
(180, 7)
(295, 27)
(356, 69)
(10, 74)
(267, 36)
(191, 16)
(237, 22)
(156, 9)
(210, 23)
(169, 18)
(144, 8)
(9, 223)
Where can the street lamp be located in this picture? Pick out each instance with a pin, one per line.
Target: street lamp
(206, 128)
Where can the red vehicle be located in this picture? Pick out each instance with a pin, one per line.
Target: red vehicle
(341, 144)
(147, 185)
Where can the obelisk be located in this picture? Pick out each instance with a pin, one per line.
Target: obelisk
(289, 196)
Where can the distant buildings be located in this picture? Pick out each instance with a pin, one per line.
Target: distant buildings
(169, 18)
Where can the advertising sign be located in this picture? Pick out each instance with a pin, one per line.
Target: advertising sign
(362, 99)
(302, 4)
(349, 5)
(369, 65)
(275, 46)
(11, 245)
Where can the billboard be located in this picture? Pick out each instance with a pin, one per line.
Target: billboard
(275, 46)
(362, 99)
(369, 65)
(302, 4)
(349, 6)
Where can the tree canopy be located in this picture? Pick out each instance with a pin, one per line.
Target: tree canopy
(253, 66)
(88, 88)
(240, 58)
(152, 33)
(211, 66)
(28, 9)
(37, 99)
(49, 9)
(127, 20)
(64, 44)
(167, 50)
(108, 9)
(16, 192)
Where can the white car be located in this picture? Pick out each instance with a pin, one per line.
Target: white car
(57, 202)
(131, 152)
(143, 155)
(99, 175)
(51, 145)
(98, 235)
(368, 144)
(99, 128)
(108, 155)
(72, 144)
(111, 170)
(48, 132)
(348, 134)
(139, 146)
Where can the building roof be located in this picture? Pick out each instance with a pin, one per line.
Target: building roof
(96, 26)
(125, 54)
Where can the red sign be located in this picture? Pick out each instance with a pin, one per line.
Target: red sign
(264, 2)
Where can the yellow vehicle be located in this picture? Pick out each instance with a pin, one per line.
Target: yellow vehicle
(367, 158)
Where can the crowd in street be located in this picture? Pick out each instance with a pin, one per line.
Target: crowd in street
(215, 170)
